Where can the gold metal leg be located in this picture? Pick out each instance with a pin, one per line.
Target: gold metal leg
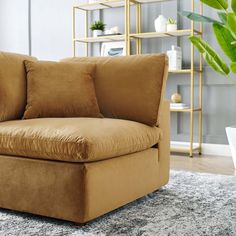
(200, 91)
(73, 31)
(137, 28)
(127, 26)
(192, 90)
(140, 28)
(86, 32)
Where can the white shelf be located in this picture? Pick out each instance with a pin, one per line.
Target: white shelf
(101, 39)
(183, 71)
(101, 5)
(185, 110)
(152, 1)
(176, 33)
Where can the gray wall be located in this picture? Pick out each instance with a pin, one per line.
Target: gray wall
(50, 39)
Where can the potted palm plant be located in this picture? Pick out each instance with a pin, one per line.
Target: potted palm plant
(225, 32)
(97, 27)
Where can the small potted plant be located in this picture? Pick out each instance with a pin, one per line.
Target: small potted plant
(171, 25)
(97, 27)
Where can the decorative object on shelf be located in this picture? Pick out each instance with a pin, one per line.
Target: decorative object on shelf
(103, 35)
(160, 24)
(225, 32)
(92, 1)
(171, 25)
(231, 133)
(113, 31)
(176, 98)
(178, 106)
(175, 58)
(113, 49)
(97, 27)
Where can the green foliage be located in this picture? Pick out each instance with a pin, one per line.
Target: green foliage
(197, 17)
(171, 21)
(217, 4)
(223, 17)
(225, 33)
(231, 20)
(233, 5)
(210, 55)
(98, 25)
(233, 67)
(225, 39)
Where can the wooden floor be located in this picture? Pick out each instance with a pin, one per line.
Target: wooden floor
(207, 164)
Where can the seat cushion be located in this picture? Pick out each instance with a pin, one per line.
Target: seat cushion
(75, 139)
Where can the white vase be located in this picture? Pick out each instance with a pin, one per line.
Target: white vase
(231, 134)
(96, 33)
(160, 24)
(171, 27)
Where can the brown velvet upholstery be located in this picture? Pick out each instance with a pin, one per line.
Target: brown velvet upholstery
(85, 190)
(115, 164)
(60, 89)
(12, 85)
(75, 139)
(129, 87)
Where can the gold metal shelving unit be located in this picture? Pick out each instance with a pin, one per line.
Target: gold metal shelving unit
(138, 36)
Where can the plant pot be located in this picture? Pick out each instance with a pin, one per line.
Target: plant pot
(96, 33)
(231, 134)
(171, 27)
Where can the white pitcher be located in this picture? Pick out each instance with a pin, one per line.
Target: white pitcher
(160, 24)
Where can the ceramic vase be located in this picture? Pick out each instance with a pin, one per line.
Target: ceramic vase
(160, 24)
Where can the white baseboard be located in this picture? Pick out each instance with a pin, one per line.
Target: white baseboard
(211, 149)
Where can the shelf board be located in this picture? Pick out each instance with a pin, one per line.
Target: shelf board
(183, 71)
(186, 110)
(151, 1)
(110, 38)
(101, 39)
(99, 5)
(175, 147)
(176, 33)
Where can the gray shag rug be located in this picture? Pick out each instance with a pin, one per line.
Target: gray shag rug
(191, 204)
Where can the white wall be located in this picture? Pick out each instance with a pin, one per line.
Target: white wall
(51, 22)
(14, 26)
(51, 27)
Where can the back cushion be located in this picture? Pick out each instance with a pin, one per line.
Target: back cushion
(12, 85)
(60, 89)
(129, 87)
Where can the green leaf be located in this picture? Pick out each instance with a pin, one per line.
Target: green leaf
(225, 40)
(231, 20)
(197, 17)
(217, 4)
(223, 17)
(210, 55)
(233, 5)
(233, 67)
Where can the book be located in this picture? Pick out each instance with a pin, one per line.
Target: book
(179, 106)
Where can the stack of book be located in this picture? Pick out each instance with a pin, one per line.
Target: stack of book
(178, 106)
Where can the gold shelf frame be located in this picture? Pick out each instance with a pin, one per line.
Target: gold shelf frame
(137, 37)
